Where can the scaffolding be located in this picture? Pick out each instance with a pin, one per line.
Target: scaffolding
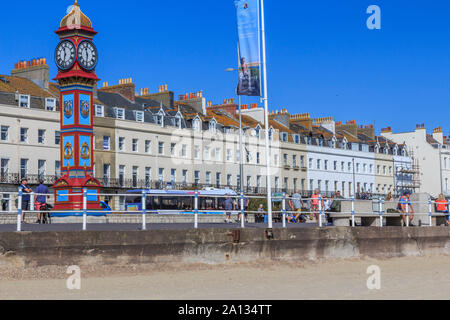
(407, 175)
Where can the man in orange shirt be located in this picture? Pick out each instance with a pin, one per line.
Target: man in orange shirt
(441, 206)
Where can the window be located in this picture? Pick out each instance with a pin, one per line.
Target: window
(276, 183)
(217, 154)
(384, 169)
(4, 169)
(378, 169)
(343, 166)
(134, 146)
(99, 111)
(106, 143)
(178, 121)
(311, 184)
(294, 160)
(196, 177)
(196, 152)
(50, 104)
(148, 177)
(161, 174)
(325, 165)
(147, 147)
(208, 178)
(212, 126)
(238, 155)
(106, 172)
(119, 113)
(258, 131)
(297, 139)
(121, 175)
(139, 116)
(258, 183)
(310, 163)
(371, 168)
(318, 164)
(58, 168)
(349, 166)
(41, 136)
(121, 144)
(57, 137)
(229, 155)
(285, 184)
(160, 118)
(196, 124)
(275, 159)
(357, 167)
(184, 151)
(335, 165)
(270, 134)
(228, 179)
(302, 161)
(284, 137)
(184, 176)
(364, 168)
(161, 147)
(23, 167)
(390, 170)
(173, 174)
(172, 149)
(134, 175)
(285, 160)
(24, 101)
(23, 135)
(206, 153)
(4, 133)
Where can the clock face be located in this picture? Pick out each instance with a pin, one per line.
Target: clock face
(87, 55)
(65, 54)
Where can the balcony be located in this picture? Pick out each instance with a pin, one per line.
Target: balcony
(296, 168)
(33, 179)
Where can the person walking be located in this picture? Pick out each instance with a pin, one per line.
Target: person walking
(41, 199)
(402, 205)
(228, 205)
(315, 204)
(296, 204)
(26, 190)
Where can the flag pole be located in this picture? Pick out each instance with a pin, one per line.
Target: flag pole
(266, 120)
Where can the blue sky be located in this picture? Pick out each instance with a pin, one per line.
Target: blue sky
(322, 59)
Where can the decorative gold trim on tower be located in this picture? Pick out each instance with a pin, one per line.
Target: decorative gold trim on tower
(75, 18)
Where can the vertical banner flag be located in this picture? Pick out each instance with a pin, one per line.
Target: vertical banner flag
(249, 58)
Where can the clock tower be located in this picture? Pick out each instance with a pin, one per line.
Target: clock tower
(76, 58)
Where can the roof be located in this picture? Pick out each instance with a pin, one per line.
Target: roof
(76, 17)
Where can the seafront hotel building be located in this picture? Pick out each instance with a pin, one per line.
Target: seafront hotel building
(154, 140)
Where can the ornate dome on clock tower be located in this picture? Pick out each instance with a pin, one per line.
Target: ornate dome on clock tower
(76, 18)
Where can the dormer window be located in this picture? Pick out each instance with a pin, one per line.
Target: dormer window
(386, 150)
(333, 142)
(271, 134)
(196, 124)
(99, 110)
(120, 113)
(24, 101)
(284, 137)
(139, 116)
(212, 126)
(50, 104)
(160, 118)
(403, 152)
(296, 138)
(178, 121)
(258, 131)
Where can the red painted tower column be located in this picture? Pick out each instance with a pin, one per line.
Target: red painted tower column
(76, 57)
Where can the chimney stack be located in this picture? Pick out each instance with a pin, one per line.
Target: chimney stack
(35, 70)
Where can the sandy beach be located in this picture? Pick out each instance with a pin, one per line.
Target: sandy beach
(401, 278)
